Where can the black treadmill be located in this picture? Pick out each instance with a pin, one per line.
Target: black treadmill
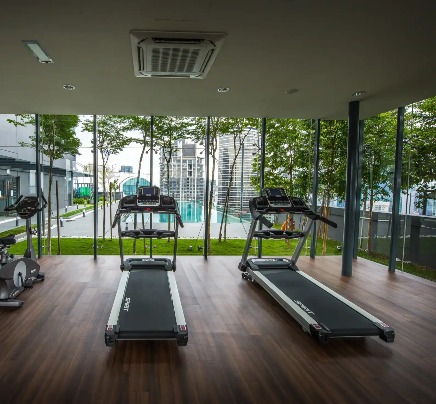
(147, 304)
(322, 312)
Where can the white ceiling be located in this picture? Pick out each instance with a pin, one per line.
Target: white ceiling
(325, 49)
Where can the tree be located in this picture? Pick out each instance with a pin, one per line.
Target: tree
(419, 161)
(288, 156)
(378, 158)
(57, 138)
(110, 140)
(238, 129)
(332, 167)
(168, 130)
(141, 124)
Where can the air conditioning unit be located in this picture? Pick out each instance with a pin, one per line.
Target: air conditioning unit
(174, 54)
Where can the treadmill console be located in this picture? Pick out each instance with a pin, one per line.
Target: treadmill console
(298, 204)
(277, 197)
(148, 196)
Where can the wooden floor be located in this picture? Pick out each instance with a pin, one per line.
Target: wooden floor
(243, 347)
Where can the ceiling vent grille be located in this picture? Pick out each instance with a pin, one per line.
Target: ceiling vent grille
(174, 54)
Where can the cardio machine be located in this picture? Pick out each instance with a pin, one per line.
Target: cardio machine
(321, 312)
(17, 274)
(147, 304)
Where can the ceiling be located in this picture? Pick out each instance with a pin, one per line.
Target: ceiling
(327, 50)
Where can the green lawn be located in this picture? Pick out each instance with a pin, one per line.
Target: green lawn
(84, 246)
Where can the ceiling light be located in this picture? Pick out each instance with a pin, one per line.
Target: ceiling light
(68, 87)
(223, 89)
(292, 91)
(36, 49)
(358, 93)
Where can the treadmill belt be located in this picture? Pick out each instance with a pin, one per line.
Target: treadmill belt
(149, 302)
(329, 311)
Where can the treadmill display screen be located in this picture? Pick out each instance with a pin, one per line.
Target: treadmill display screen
(276, 196)
(148, 196)
(298, 203)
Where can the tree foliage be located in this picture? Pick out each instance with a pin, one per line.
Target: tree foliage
(110, 141)
(57, 138)
(288, 156)
(419, 161)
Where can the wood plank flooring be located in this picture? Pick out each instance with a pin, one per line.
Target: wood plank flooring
(243, 347)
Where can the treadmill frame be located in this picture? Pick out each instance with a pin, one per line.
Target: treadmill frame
(113, 330)
(319, 331)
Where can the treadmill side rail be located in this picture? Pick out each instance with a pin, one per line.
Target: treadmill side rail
(307, 322)
(112, 327)
(387, 333)
(182, 328)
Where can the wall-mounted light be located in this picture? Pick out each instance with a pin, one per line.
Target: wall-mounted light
(36, 49)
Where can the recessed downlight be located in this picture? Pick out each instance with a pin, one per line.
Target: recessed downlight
(359, 93)
(223, 89)
(291, 91)
(68, 87)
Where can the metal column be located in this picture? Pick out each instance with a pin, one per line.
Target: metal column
(315, 185)
(395, 228)
(350, 188)
(38, 181)
(206, 192)
(262, 175)
(359, 166)
(95, 179)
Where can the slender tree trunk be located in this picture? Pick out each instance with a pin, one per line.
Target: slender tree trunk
(371, 204)
(57, 218)
(363, 222)
(49, 203)
(214, 149)
(104, 201)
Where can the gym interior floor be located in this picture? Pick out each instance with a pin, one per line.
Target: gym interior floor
(243, 347)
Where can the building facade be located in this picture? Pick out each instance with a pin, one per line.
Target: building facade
(239, 155)
(18, 167)
(186, 172)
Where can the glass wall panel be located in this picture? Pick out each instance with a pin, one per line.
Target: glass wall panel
(331, 186)
(234, 147)
(416, 252)
(377, 186)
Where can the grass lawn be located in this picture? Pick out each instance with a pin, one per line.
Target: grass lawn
(84, 246)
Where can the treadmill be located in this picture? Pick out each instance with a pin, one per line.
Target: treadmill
(147, 304)
(321, 311)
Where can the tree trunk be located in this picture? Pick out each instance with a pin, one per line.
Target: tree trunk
(213, 154)
(104, 200)
(57, 218)
(371, 203)
(49, 205)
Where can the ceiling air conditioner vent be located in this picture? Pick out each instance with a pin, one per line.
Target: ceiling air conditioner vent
(174, 54)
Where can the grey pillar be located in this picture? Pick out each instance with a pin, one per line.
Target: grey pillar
(395, 228)
(359, 165)
(206, 191)
(95, 179)
(315, 185)
(38, 180)
(350, 189)
(262, 175)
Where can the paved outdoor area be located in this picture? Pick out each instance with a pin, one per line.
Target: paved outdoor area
(82, 225)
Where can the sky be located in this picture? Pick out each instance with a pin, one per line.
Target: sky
(128, 157)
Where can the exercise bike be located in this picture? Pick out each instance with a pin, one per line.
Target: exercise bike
(17, 274)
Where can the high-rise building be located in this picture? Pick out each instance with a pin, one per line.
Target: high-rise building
(239, 155)
(186, 172)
